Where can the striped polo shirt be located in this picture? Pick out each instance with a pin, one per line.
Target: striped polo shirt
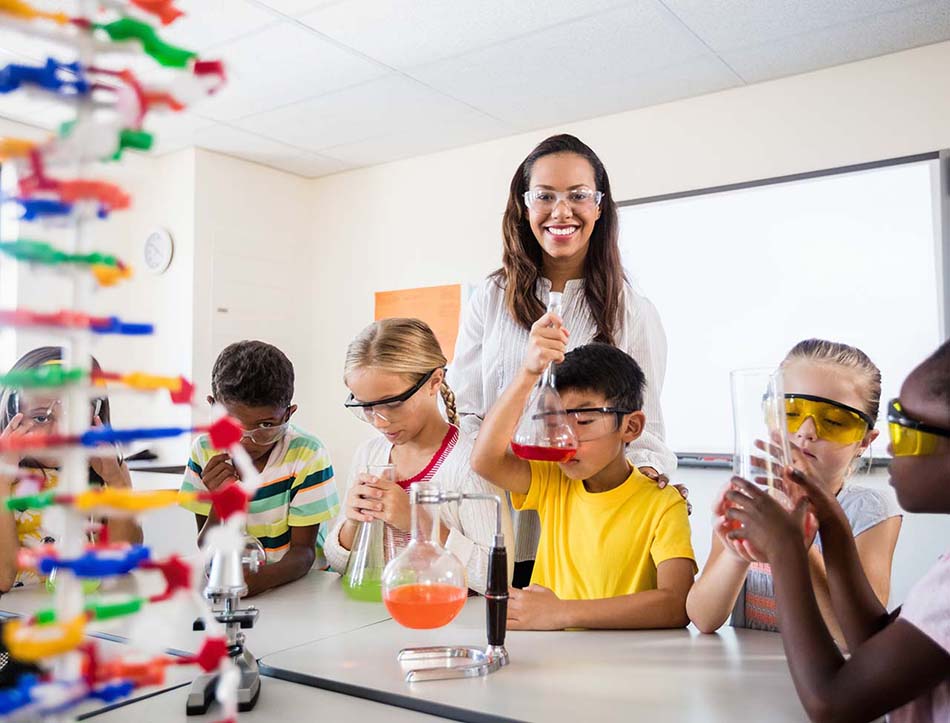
(297, 490)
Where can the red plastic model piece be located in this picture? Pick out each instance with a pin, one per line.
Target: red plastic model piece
(225, 432)
(231, 499)
(164, 10)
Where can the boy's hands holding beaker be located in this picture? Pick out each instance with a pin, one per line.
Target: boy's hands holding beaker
(547, 343)
(377, 498)
(218, 472)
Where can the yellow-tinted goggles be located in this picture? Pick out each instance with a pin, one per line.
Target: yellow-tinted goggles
(910, 438)
(834, 421)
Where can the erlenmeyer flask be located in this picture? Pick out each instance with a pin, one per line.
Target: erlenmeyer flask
(545, 433)
(424, 587)
(364, 570)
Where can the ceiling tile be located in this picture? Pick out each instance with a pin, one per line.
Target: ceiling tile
(403, 36)
(235, 142)
(877, 35)
(632, 57)
(387, 106)
(174, 131)
(296, 7)
(739, 23)
(283, 64)
(35, 109)
(417, 141)
(29, 48)
(207, 23)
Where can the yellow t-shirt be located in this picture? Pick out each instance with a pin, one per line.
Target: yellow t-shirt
(603, 544)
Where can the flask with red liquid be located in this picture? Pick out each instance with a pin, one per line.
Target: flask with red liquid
(424, 587)
(545, 433)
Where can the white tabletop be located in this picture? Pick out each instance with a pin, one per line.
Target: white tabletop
(672, 675)
(279, 701)
(307, 610)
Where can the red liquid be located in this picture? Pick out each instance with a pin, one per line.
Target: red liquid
(424, 606)
(543, 454)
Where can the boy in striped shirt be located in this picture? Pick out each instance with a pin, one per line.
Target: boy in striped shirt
(254, 382)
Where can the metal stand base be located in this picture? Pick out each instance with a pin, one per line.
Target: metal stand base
(202, 689)
(484, 661)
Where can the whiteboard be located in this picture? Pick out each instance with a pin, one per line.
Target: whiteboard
(740, 276)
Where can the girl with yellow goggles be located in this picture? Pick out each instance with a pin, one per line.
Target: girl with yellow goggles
(910, 438)
(834, 421)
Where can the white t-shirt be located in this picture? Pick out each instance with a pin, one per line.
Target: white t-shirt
(471, 523)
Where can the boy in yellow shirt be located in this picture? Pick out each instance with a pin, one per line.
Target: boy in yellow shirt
(615, 550)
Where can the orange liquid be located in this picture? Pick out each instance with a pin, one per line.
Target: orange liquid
(424, 606)
(543, 454)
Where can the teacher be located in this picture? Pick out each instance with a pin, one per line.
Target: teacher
(560, 233)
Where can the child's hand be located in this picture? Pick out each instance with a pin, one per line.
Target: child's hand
(218, 472)
(800, 484)
(112, 469)
(765, 524)
(359, 499)
(722, 526)
(386, 501)
(547, 343)
(534, 608)
(18, 427)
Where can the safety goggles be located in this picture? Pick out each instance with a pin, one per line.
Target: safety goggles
(910, 438)
(834, 421)
(590, 423)
(266, 435)
(385, 409)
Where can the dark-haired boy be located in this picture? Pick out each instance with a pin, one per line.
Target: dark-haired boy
(254, 382)
(615, 550)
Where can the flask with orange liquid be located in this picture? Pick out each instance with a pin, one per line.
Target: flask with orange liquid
(424, 587)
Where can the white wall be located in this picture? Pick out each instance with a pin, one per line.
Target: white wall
(253, 270)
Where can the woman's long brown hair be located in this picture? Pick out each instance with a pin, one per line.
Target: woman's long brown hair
(522, 259)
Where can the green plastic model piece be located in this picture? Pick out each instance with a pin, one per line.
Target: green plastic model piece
(137, 140)
(108, 611)
(41, 377)
(45, 617)
(43, 253)
(30, 502)
(130, 29)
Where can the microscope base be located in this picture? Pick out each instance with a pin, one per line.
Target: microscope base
(484, 662)
(202, 689)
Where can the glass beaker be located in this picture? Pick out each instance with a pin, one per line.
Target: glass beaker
(545, 433)
(761, 432)
(424, 587)
(364, 570)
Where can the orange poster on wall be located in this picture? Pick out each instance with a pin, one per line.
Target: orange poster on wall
(437, 306)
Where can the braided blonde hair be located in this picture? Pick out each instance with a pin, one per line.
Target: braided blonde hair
(401, 346)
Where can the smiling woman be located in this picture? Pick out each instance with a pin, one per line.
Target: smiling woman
(560, 233)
